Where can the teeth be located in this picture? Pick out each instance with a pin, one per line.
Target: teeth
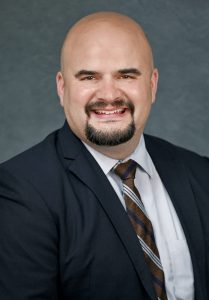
(107, 112)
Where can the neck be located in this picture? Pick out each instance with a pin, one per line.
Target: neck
(117, 152)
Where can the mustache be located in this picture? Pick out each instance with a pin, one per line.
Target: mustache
(103, 104)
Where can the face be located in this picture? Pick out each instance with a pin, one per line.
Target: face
(107, 86)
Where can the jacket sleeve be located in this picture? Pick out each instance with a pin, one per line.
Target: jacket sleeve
(28, 242)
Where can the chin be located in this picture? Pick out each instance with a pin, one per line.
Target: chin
(109, 137)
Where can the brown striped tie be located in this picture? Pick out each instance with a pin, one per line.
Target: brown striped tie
(142, 225)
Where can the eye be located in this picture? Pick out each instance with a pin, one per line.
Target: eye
(126, 76)
(89, 77)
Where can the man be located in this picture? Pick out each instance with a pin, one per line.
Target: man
(73, 227)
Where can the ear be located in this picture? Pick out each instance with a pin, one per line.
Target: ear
(60, 87)
(154, 82)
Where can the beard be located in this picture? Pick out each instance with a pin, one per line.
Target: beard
(109, 138)
(113, 138)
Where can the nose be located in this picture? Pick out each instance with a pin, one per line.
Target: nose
(108, 90)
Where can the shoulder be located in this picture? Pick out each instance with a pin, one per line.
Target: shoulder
(162, 149)
(35, 178)
(35, 154)
(36, 166)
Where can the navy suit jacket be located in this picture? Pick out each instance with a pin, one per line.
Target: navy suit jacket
(65, 235)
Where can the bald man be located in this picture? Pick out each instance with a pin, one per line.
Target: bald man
(73, 225)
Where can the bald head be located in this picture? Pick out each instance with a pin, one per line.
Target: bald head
(105, 26)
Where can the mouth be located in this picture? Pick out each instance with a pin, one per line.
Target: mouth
(109, 114)
(112, 112)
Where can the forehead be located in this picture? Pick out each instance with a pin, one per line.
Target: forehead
(105, 44)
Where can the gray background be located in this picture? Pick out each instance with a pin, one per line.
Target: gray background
(31, 34)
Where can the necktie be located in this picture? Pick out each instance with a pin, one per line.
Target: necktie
(142, 225)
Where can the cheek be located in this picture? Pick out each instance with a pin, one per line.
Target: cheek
(142, 105)
(79, 96)
(141, 94)
(142, 111)
(75, 100)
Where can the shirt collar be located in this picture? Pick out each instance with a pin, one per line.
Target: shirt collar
(105, 162)
(140, 155)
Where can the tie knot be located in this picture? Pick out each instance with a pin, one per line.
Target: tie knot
(126, 170)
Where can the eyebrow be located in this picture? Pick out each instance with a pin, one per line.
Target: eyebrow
(130, 70)
(121, 71)
(85, 72)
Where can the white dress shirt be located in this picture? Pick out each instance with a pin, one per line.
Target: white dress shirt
(169, 235)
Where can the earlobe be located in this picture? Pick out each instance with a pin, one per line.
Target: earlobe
(60, 86)
(154, 83)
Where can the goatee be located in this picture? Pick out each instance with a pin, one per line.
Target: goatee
(113, 138)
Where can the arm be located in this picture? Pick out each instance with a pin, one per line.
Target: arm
(28, 243)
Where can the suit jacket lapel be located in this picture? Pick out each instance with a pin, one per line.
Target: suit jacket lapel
(80, 162)
(175, 177)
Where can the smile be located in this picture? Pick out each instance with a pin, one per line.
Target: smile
(110, 112)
